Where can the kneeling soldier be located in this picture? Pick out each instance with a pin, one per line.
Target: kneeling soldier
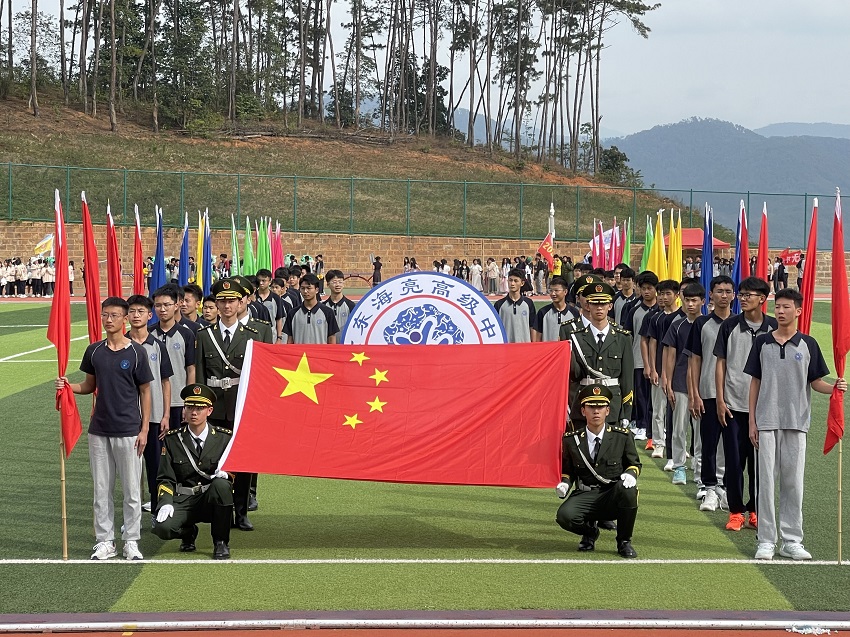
(602, 465)
(191, 487)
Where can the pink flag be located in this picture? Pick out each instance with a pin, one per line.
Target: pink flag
(840, 326)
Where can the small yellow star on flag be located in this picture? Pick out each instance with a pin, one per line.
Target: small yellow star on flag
(376, 405)
(359, 358)
(379, 377)
(352, 421)
(302, 380)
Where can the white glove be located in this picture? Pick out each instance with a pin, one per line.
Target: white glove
(221, 474)
(628, 480)
(165, 512)
(562, 489)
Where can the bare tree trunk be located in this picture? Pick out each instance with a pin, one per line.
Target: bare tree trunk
(302, 59)
(488, 44)
(96, 69)
(124, 18)
(155, 105)
(73, 45)
(113, 120)
(234, 59)
(518, 93)
(358, 52)
(84, 38)
(472, 17)
(33, 58)
(10, 50)
(63, 61)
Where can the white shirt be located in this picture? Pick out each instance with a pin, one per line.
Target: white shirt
(594, 439)
(232, 329)
(203, 435)
(596, 332)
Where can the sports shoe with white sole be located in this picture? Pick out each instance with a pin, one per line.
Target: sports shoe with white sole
(723, 503)
(795, 551)
(640, 434)
(765, 551)
(679, 475)
(658, 452)
(131, 550)
(146, 507)
(103, 551)
(701, 492)
(669, 466)
(709, 502)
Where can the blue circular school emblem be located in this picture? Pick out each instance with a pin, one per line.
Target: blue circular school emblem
(176, 346)
(798, 356)
(153, 357)
(125, 364)
(318, 321)
(423, 308)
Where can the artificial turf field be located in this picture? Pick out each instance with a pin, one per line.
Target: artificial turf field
(344, 545)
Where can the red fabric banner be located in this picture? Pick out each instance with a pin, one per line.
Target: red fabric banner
(763, 258)
(59, 333)
(466, 414)
(790, 257)
(840, 327)
(138, 258)
(113, 260)
(91, 275)
(547, 251)
(807, 289)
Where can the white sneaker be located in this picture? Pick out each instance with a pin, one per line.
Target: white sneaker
(709, 502)
(640, 434)
(669, 466)
(146, 507)
(723, 503)
(658, 452)
(131, 550)
(103, 551)
(701, 492)
(765, 551)
(795, 551)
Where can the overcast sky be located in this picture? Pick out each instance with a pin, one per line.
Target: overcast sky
(752, 62)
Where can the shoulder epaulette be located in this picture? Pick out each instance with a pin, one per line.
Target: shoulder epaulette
(251, 329)
(620, 329)
(222, 430)
(173, 431)
(619, 430)
(574, 432)
(264, 322)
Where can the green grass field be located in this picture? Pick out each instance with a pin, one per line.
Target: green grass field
(519, 558)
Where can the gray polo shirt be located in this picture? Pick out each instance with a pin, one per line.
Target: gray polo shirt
(786, 372)
(311, 326)
(735, 339)
(677, 338)
(634, 325)
(701, 343)
(549, 321)
(179, 342)
(341, 310)
(160, 365)
(518, 318)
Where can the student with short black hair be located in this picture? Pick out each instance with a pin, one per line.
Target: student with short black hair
(516, 310)
(193, 295)
(337, 301)
(210, 311)
(785, 365)
(272, 302)
(312, 322)
(633, 321)
(118, 369)
(735, 339)
(626, 294)
(550, 317)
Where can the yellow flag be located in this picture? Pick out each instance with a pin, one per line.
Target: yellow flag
(674, 250)
(657, 262)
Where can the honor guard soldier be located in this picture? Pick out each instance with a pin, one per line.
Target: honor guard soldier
(601, 354)
(191, 486)
(219, 356)
(601, 464)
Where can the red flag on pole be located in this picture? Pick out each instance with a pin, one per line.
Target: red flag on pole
(763, 258)
(804, 323)
(547, 251)
(113, 259)
(138, 258)
(59, 333)
(387, 414)
(91, 275)
(840, 326)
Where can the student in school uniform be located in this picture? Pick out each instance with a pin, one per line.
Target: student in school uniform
(337, 301)
(312, 322)
(516, 310)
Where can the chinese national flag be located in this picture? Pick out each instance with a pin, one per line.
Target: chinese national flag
(547, 251)
(840, 327)
(469, 414)
(59, 333)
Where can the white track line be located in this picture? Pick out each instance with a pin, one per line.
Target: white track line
(354, 561)
(22, 326)
(38, 349)
(43, 360)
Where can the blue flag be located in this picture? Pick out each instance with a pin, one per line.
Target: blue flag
(183, 273)
(707, 271)
(158, 274)
(207, 255)
(736, 269)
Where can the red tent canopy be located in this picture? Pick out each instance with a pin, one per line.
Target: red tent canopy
(692, 239)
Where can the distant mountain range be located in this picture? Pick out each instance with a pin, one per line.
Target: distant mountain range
(713, 155)
(794, 129)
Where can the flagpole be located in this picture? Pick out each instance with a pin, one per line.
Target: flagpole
(65, 508)
(840, 449)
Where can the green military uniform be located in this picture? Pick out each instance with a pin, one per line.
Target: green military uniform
(609, 362)
(187, 481)
(597, 477)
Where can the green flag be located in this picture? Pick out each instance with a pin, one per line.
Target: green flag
(647, 245)
(264, 256)
(249, 266)
(234, 248)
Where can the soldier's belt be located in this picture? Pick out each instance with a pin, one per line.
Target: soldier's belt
(222, 383)
(588, 487)
(200, 488)
(608, 382)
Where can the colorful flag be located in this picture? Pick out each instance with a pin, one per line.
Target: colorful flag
(807, 289)
(249, 266)
(657, 261)
(44, 246)
(626, 257)
(277, 248)
(790, 257)
(387, 413)
(762, 259)
(113, 258)
(741, 265)
(199, 252)
(91, 275)
(59, 333)
(840, 326)
(234, 248)
(616, 246)
(547, 251)
(205, 265)
(183, 271)
(647, 245)
(158, 274)
(264, 259)
(674, 250)
(138, 257)
(707, 272)
(744, 262)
